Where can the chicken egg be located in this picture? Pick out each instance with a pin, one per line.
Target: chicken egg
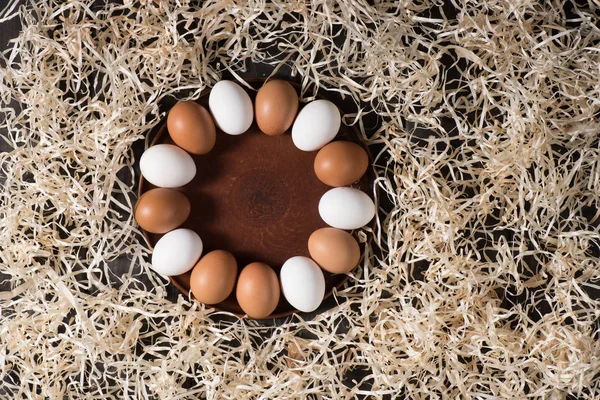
(231, 107)
(341, 163)
(302, 283)
(346, 208)
(316, 125)
(334, 250)
(161, 210)
(176, 252)
(276, 106)
(213, 277)
(166, 165)
(258, 290)
(191, 127)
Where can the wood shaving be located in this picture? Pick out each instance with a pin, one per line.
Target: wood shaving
(481, 279)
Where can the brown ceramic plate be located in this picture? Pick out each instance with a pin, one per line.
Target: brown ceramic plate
(257, 197)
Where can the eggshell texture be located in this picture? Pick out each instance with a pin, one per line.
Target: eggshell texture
(161, 210)
(166, 165)
(334, 250)
(316, 125)
(258, 290)
(191, 127)
(213, 277)
(276, 107)
(341, 163)
(176, 252)
(302, 283)
(346, 208)
(231, 107)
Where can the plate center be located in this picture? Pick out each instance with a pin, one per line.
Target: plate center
(261, 198)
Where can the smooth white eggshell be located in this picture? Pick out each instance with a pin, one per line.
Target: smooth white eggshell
(231, 107)
(302, 283)
(316, 125)
(167, 166)
(346, 208)
(176, 252)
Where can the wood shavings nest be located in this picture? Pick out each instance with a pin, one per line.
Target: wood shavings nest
(483, 277)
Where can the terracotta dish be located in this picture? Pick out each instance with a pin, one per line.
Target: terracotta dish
(257, 197)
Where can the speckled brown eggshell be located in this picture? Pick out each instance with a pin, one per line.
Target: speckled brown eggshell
(276, 106)
(341, 163)
(334, 250)
(161, 210)
(258, 290)
(191, 127)
(213, 277)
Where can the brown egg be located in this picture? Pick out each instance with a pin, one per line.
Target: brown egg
(334, 250)
(258, 290)
(191, 127)
(161, 210)
(341, 163)
(213, 277)
(276, 107)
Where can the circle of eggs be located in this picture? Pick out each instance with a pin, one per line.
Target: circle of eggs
(215, 276)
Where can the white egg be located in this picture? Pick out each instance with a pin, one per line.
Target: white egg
(316, 125)
(346, 208)
(231, 107)
(176, 252)
(168, 166)
(302, 283)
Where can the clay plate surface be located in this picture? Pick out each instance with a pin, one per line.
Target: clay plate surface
(257, 197)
